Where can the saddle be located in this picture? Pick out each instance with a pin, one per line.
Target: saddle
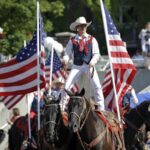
(112, 123)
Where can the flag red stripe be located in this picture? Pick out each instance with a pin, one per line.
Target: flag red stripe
(20, 92)
(120, 54)
(124, 66)
(14, 103)
(20, 82)
(116, 43)
(19, 71)
(9, 63)
(10, 99)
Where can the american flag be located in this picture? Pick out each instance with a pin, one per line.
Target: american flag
(11, 101)
(123, 67)
(57, 71)
(19, 75)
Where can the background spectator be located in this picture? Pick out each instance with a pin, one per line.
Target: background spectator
(145, 40)
(15, 115)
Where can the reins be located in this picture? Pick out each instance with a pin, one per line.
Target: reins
(96, 140)
(93, 142)
(84, 108)
(50, 121)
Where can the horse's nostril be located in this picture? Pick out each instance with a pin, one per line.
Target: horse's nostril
(75, 128)
(75, 125)
(53, 133)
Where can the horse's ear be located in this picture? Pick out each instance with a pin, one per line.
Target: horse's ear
(68, 92)
(82, 92)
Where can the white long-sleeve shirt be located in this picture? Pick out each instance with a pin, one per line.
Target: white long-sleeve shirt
(95, 49)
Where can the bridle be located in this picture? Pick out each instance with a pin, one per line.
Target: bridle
(97, 139)
(79, 117)
(51, 121)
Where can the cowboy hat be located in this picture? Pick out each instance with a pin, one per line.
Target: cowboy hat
(79, 21)
(59, 80)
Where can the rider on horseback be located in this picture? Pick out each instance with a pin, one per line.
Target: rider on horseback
(59, 92)
(84, 50)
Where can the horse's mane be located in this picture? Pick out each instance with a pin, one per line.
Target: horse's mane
(141, 107)
(135, 120)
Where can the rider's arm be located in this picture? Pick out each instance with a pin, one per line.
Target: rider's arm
(95, 52)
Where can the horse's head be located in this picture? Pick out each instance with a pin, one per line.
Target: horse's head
(135, 118)
(76, 109)
(144, 112)
(52, 116)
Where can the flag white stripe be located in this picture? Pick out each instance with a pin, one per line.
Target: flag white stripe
(117, 49)
(108, 98)
(24, 87)
(20, 76)
(116, 37)
(12, 101)
(125, 61)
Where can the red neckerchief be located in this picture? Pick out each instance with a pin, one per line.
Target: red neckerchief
(82, 44)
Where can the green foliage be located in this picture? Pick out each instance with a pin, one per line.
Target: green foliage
(18, 19)
(141, 11)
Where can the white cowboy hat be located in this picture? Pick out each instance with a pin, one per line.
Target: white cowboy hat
(59, 80)
(80, 20)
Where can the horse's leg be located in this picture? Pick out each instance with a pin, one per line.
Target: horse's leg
(108, 141)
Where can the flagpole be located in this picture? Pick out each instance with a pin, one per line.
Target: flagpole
(51, 68)
(27, 98)
(111, 67)
(38, 65)
(29, 121)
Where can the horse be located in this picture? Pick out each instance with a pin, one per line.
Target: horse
(137, 124)
(18, 135)
(54, 134)
(92, 132)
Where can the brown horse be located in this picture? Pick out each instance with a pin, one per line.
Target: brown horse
(91, 130)
(55, 135)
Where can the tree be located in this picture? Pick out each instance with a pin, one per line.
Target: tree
(18, 20)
